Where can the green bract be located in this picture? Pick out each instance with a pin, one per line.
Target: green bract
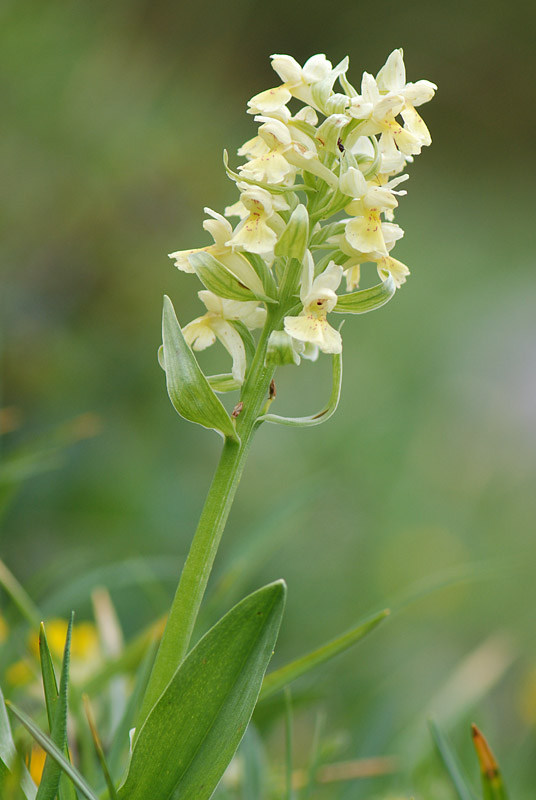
(188, 389)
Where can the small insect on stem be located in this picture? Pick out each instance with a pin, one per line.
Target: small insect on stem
(237, 410)
(340, 145)
(273, 390)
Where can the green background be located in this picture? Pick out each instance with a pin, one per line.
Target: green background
(419, 493)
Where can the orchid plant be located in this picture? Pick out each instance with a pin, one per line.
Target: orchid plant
(318, 190)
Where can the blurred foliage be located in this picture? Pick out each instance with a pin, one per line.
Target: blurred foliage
(418, 494)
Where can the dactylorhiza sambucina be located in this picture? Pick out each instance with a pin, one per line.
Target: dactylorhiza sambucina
(318, 192)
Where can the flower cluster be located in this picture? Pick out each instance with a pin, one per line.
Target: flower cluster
(318, 191)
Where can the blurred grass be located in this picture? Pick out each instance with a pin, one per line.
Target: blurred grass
(115, 119)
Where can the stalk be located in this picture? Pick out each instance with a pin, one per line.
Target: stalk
(198, 566)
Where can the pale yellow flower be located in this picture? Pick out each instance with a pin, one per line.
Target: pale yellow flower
(311, 326)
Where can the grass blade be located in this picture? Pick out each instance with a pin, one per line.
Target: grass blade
(98, 748)
(19, 595)
(9, 756)
(451, 763)
(48, 788)
(50, 688)
(48, 745)
(492, 782)
(121, 741)
(289, 736)
(279, 678)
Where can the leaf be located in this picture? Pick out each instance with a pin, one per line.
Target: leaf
(277, 680)
(217, 278)
(192, 732)
(289, 736)
(451, 763)
(57, 711)
(98, 747)
(254, 760)
(121, 739)
(366, 299)
(50, 688)
(9, 755)
(188, 389)
(492, 782)
(322, 416)
(48, 745)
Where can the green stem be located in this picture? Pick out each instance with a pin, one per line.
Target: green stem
(198, 566)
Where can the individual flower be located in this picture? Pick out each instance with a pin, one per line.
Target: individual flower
(297, 82)
(217, 324)
(364, 232)
(267, 162)
(238, 209)
(392, 78)
(296, 146)
(391, 233)
(221, 229)
(318, 298)
(378, 115)
(254, 233)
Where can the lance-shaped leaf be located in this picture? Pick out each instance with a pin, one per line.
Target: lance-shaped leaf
(54, 752)
(366, 299)
(322, 416)
(217, 278)
(277, 680)
(50, 688)
(450, 761)
(9, 757)
(57, 711)
(492, 782)
(192, 732)
(188, 388)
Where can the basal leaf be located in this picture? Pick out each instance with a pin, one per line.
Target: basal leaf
(192, 732)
